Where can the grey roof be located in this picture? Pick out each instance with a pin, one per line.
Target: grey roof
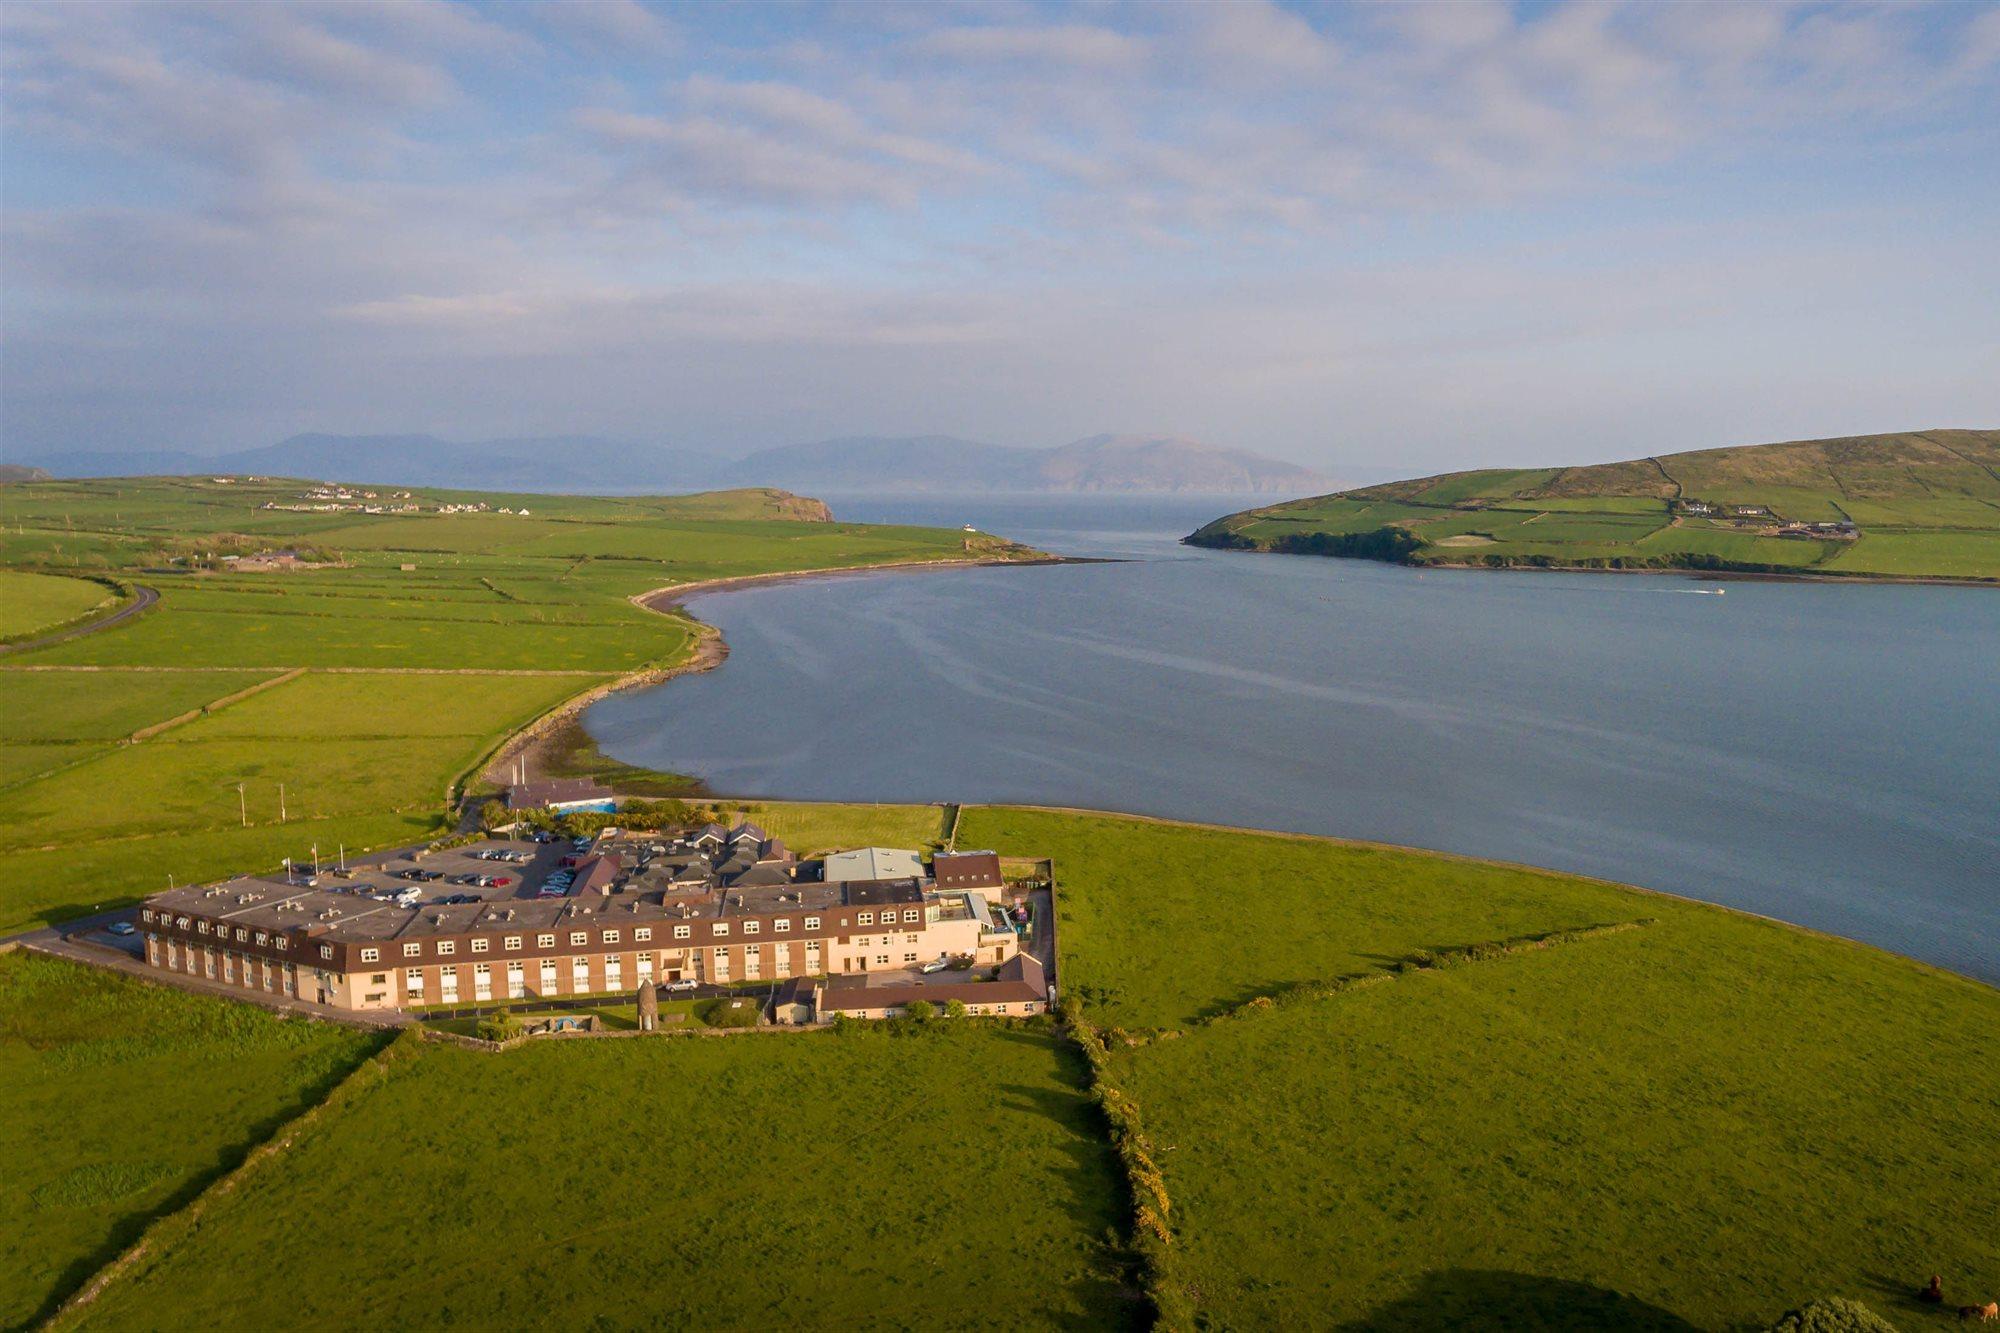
(873, 863)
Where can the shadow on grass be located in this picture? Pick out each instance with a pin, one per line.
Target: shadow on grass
(128, 1229)
(1488, 1298)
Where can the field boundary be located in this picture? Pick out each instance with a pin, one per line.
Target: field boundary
(148, 732)
(163, 1231)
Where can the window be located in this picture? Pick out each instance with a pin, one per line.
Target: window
(812, 923)
(752, 927)
(375, 980)
(184, 923)
(682, 932)
(479, 945)
(282, 942)
(753, 951)
(913, 914)
(326, 951)
(263, 936)
(447, 946)
(611, 937)
(413, 950)
(642, 934)
(545, 941)
(145, 914)
(865, 941)
(882, 959)
(511, 942)
(413, 984)
(371, 955)
(201, 926)
(999, 1008)
(720, 928)
(579, 937)
(783, 925)
(865, 919)
(909, 958)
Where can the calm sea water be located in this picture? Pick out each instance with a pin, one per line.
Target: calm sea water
(1827, 755)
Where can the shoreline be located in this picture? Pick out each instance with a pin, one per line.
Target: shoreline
(1734, 575)
(529, 746)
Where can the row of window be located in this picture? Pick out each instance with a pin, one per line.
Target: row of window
(546, 940)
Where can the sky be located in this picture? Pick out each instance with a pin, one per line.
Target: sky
(1371, 238)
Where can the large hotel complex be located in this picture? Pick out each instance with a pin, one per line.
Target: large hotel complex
(539, 921)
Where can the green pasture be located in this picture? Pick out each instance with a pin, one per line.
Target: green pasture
(1695, 1123)
(107, 705)
(119, 1100)
(952, 1178)
(1164, 924)
(32, 603)
(809, 828)
(1707, 1120)
(365, 757)
(1927, 504)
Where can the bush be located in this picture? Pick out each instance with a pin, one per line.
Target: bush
(726, 1012)
(1833, 1314)
(955, 1009)
(921, 1011)
(501, 1026)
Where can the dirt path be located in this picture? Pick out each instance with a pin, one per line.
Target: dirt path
(147, 596)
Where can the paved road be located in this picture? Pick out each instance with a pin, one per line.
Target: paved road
(147, 596)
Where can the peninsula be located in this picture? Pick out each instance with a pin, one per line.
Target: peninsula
(1919, 505)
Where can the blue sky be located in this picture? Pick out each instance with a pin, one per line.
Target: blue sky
(1371, 238)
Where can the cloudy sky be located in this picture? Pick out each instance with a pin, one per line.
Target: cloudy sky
(1368, 236)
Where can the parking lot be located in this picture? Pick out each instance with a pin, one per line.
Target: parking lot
(492, 871)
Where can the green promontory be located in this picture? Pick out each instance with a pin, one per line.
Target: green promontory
(1920, 505)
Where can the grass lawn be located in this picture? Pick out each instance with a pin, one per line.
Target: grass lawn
(810, 828)
(1164, 924)
(945, 1180)
(1710, 1119)
(118, 1100)
(32, 603)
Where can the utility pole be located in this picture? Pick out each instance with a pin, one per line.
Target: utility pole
(242, 806)
(315, 860)
(281, 802)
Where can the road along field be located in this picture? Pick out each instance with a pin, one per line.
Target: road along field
(395, 652)
(36, 604)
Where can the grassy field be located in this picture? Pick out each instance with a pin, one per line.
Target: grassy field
(118, 1100)
(1696, 1122)
(948, 1179)
(467, 626)
(1926, 505)
(32, 604)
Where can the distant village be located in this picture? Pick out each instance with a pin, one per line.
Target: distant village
(528, 915)
(328, 499)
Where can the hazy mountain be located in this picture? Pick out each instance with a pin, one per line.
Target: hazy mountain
(22, 472)
(1121, 463)
(1105, 463)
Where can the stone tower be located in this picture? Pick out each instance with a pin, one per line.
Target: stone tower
(649, 1007)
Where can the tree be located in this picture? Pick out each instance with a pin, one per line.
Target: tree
(956, 1009)
(920, 1011)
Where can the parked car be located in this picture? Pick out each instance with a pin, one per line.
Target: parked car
(937, 964)
(123, 928)
(682, 985)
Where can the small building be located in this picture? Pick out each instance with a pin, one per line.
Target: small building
(872, 863)
(793, 1003)
(562, 795)
(1019, 988)
(967, 870)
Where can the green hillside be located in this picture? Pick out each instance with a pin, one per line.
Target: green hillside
(1924, 504)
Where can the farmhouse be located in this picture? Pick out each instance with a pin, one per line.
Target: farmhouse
(618, 927)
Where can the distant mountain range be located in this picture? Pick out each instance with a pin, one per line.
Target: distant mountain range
(1132, 464)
